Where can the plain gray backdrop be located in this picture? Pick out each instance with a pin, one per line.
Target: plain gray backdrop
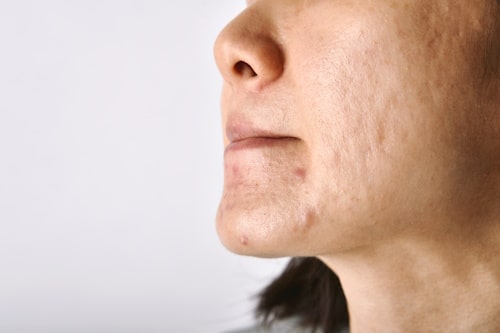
(111, 170)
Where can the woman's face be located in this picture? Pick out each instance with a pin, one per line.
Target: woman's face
(348, 122)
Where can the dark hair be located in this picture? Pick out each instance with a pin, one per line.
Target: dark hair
(309, 290)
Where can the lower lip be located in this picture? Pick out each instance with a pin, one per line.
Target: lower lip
(258, 142)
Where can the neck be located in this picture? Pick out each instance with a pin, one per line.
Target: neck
(445, 283)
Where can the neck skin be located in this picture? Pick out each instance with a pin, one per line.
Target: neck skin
(446, 283)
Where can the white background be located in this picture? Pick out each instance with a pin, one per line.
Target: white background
(111, 170)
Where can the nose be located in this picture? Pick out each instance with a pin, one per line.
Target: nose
(246, 52)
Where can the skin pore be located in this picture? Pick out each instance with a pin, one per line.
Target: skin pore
(367, 133)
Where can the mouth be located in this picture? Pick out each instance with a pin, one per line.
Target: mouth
(256, 142)
(242, 137)
(254, 155)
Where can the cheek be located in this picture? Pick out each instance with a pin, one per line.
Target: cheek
(364, 122)
(351, 99)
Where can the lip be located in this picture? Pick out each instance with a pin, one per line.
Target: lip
(236, 131)
(241, 136)
(258, 142)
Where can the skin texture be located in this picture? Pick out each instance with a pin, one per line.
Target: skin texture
(367, 133)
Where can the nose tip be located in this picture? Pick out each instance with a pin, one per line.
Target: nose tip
(247, 55)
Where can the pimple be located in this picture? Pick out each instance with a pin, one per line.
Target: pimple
(244, 240)
(380, 135)
(300, 173)
(235, 169)
(308, 220)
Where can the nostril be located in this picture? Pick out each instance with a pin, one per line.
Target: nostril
(243, 69)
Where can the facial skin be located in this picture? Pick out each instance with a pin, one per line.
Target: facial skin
(354, 123)
(367, 133)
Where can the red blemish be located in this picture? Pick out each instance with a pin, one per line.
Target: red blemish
(244, 240)
(235, 169)
(300, 173)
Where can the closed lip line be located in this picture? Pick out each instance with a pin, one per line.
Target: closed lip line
(240, 132)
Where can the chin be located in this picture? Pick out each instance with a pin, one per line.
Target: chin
(240, 234)
(267, 231)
